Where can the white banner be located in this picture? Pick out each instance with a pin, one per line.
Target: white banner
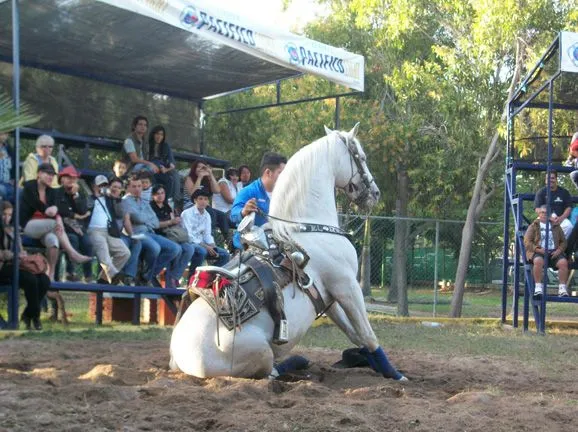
(568, 52)
(279, 47)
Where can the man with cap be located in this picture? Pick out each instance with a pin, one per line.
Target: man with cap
(73, 207)
(105, 235)
(560, 203)
(141, 220)
(197, 221)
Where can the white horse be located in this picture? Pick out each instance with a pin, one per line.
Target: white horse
(304, 193)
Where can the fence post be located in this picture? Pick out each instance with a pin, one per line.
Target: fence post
(366, 260)
(436, 248)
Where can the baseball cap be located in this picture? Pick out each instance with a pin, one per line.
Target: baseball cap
(68, 171)
(100, 180)
(47, 168)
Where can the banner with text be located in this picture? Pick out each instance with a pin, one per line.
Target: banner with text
(279, 47)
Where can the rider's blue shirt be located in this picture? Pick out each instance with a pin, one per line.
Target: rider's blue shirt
(253, 190)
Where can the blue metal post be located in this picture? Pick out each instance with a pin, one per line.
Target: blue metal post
(13, 295)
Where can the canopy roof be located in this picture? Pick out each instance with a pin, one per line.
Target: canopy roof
(182, 49)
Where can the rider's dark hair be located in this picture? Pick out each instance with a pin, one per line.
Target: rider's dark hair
(272, 161)
(136, 120)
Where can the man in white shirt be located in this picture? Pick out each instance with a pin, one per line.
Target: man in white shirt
(197, 221)
(104, 233)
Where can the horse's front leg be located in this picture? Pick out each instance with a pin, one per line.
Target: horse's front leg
(353, 305)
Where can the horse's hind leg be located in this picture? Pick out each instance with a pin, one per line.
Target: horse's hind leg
(351, 300)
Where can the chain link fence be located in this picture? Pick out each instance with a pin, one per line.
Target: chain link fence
(429, 250)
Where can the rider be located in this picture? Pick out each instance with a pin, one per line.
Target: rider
(257, 195)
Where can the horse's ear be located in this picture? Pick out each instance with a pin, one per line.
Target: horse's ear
(353, 132)
(327, 130)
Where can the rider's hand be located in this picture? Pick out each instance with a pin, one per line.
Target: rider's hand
(211, 250)
(250, 207)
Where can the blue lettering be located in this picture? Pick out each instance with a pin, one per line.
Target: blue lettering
(251, 38)
(203, 20)
(340, 66)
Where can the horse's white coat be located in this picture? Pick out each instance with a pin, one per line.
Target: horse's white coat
(305, 193)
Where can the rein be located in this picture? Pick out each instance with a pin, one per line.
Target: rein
(309, 227)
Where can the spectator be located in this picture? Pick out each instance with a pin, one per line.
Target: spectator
(536, 250)
(120, 168)
(229, 186)
(201, 177)
(134, 245)
(197, 222)
(161, 154)
(73, 208)
(572, 160)
(257, 195)
(560, 203)
(104, 234)
(6, 169)
(168, 224)
(43, 155)
(244, 176)
(135, 145)
(40, 219)
(35, 286)
(158, 252)
(146, 178)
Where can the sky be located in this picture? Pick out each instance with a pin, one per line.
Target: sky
(299, 13)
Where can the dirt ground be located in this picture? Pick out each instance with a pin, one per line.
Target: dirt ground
(101, 386)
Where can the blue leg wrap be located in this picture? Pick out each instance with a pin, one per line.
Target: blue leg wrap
(365, 352)
(293, 363)
(384, 366)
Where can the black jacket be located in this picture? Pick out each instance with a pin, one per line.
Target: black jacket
(31, 201)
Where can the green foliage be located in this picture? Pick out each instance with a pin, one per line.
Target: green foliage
(10, 119)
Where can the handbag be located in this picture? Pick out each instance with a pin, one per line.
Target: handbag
(35, 264)
(176, 233)
(112, 227)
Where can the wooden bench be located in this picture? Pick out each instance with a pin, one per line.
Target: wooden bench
(167, 294)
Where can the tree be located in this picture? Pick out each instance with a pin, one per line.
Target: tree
(10, 119)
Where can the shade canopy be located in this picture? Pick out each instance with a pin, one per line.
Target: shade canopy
(182, 49)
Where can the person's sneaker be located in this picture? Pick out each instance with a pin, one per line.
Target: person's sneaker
(102, 281)
(118, 279)
(562, 292)
(71, 277)
(538, 291)
(88, 280)
(129, 281)
(36, 323)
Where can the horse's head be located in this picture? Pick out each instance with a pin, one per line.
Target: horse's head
(353, 175)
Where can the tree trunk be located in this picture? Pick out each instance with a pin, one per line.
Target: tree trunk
(400, 242)
(480, 197)
(366, 260)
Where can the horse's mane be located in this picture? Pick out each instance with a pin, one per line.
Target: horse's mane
(312, 164)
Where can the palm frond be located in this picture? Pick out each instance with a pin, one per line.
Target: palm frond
(9, 119)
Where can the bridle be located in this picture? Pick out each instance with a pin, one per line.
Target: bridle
(355, 159)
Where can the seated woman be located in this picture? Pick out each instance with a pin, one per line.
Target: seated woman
(167, 220)
(40, 219)
(34, 285)
(161, 154)
(229, 187)
(201, 177)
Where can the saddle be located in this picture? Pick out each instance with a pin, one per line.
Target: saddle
(251, 280)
